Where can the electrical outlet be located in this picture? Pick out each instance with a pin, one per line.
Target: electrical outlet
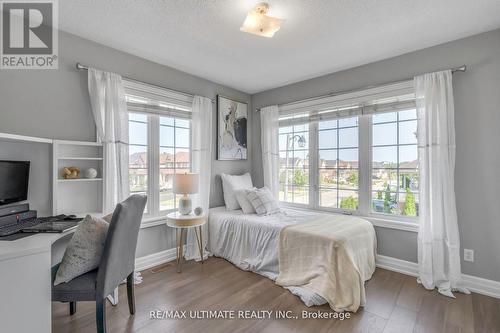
(469, 255)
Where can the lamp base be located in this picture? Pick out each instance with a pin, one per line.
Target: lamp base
(185, 205)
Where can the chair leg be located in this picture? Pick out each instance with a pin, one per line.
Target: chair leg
(100, 313)
(72, 308)
(130, 293)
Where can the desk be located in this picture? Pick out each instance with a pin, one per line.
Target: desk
(25, 283)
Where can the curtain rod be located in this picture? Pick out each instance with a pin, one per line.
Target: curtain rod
(462, 68)
(86, 68)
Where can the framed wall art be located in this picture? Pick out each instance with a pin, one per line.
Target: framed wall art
(232, 118)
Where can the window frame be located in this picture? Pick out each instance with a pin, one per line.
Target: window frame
(292, 151)
(158, 102)
(146, 146)
(316, 174)
(158, 171)
(153, 169)
(365, 171)
(387, 216)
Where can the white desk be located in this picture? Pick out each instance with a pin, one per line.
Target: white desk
(25, 283)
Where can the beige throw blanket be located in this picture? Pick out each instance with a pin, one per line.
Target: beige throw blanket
(332, 256)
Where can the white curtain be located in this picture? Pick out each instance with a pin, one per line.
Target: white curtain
(201, 162)
(438, 237)
(107, 98)
(269, 127)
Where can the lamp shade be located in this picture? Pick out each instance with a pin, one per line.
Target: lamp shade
(186, 183)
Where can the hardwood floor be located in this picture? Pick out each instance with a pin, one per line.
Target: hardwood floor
(395, 303)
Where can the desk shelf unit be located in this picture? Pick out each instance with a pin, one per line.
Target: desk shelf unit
(82, 195)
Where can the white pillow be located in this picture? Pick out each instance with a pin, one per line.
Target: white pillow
(245, 204)
(84, 250)
(232, 183)
(108, 217)
(263, 201)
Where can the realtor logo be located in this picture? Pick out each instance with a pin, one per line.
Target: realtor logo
(29, 38)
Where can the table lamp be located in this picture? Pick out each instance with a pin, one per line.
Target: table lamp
(185, 183)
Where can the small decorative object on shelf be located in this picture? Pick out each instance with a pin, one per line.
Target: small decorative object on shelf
(90, 173)
(78, 157)
(198, 211)
(71, 173)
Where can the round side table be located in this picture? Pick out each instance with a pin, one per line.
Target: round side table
(182, 223)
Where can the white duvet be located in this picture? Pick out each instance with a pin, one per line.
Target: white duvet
(251, 242)
(332, 256)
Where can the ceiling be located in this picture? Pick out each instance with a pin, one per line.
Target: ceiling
(202, 37)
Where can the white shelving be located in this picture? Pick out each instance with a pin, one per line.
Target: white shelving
(71, 196)
(80, 158)
(78, 143)
(79, 180)
(82, 195)
(22, 138)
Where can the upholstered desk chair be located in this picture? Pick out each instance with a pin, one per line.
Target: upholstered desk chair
(117, 263)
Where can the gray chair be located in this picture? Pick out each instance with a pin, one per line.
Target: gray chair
(117, 263)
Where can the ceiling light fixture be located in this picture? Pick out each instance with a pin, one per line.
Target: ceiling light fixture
(259, 23)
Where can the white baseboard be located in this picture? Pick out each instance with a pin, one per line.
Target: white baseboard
(481, 286)
(143, 263)
(397, 265)
(476, 284)
(155, 259)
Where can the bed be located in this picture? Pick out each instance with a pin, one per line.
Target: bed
(252, 243)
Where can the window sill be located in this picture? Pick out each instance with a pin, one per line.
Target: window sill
(392, 223)
(378, 221)
(149, 221)
(153, 221)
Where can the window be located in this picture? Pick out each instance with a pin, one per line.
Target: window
(338, 163)
(294, 164)
(359, 155)
(174, 157)
(395, 163)
(138, 153)
(159, 143)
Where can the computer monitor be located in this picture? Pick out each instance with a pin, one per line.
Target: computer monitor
(14, 176)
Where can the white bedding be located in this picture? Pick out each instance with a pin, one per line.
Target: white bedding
(332, 256)
(251, 242)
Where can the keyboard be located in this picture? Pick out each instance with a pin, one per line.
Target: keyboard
(13, 228)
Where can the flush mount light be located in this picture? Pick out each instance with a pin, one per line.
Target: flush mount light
(259, 23)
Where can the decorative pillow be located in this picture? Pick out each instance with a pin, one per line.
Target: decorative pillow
(232, 183)
(84, 250)
(263, 201)
(245, 204)
(108, 217)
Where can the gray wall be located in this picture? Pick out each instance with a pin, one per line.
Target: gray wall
(477, 108)
(55, 104)
(40, 181)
